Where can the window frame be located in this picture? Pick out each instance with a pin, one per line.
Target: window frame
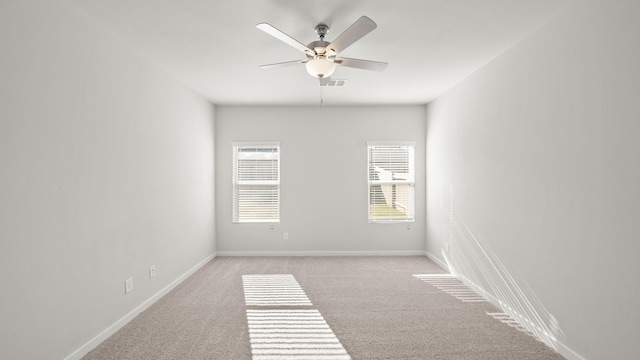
(237, 184)
(409, 181)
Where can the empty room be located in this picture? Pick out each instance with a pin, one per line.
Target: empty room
(305, 180)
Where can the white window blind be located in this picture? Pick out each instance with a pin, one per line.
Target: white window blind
(391, 182)
(256, 182)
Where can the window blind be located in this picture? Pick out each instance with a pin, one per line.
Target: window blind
(256, 182)
(391, 182)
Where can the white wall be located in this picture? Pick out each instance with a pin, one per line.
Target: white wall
(535, 157)
(106, 169)
(323, 179)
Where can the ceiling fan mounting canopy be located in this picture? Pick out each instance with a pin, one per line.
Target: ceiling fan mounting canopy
(322, 30)
(321, 56)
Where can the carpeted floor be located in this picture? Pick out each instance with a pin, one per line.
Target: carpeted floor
(375, 307)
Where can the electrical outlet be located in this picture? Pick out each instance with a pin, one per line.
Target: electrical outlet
(286, 236)
(128, 285)
(152, 271)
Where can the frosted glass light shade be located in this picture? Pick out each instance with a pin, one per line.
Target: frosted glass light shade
(320, 67)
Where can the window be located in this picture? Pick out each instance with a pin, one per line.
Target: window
(256, 182)
(391, 181)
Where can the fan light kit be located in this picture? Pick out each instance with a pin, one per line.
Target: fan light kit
(320, 67)
(321, 56)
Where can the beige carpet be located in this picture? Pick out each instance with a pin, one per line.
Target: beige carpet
(375, 307)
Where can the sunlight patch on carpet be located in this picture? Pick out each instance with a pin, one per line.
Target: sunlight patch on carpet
(452, 286)
(292, 334)
(273, 290)
(278, 332)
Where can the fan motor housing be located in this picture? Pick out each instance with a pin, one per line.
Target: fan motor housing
(320, 48)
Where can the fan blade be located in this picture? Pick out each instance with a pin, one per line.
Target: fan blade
(357, 30)
(282, 64)
(324, 80)
(269, 29)
(361, 64)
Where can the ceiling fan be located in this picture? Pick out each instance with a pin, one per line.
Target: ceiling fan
(321, 56)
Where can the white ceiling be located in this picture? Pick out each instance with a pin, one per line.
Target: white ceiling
(214, 47)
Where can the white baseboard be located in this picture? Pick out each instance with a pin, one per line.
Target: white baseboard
(321, 253)
(93, 343)
(437, 260)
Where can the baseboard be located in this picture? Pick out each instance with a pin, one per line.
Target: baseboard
(93, 343)
(437, 260)
(321, 253)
